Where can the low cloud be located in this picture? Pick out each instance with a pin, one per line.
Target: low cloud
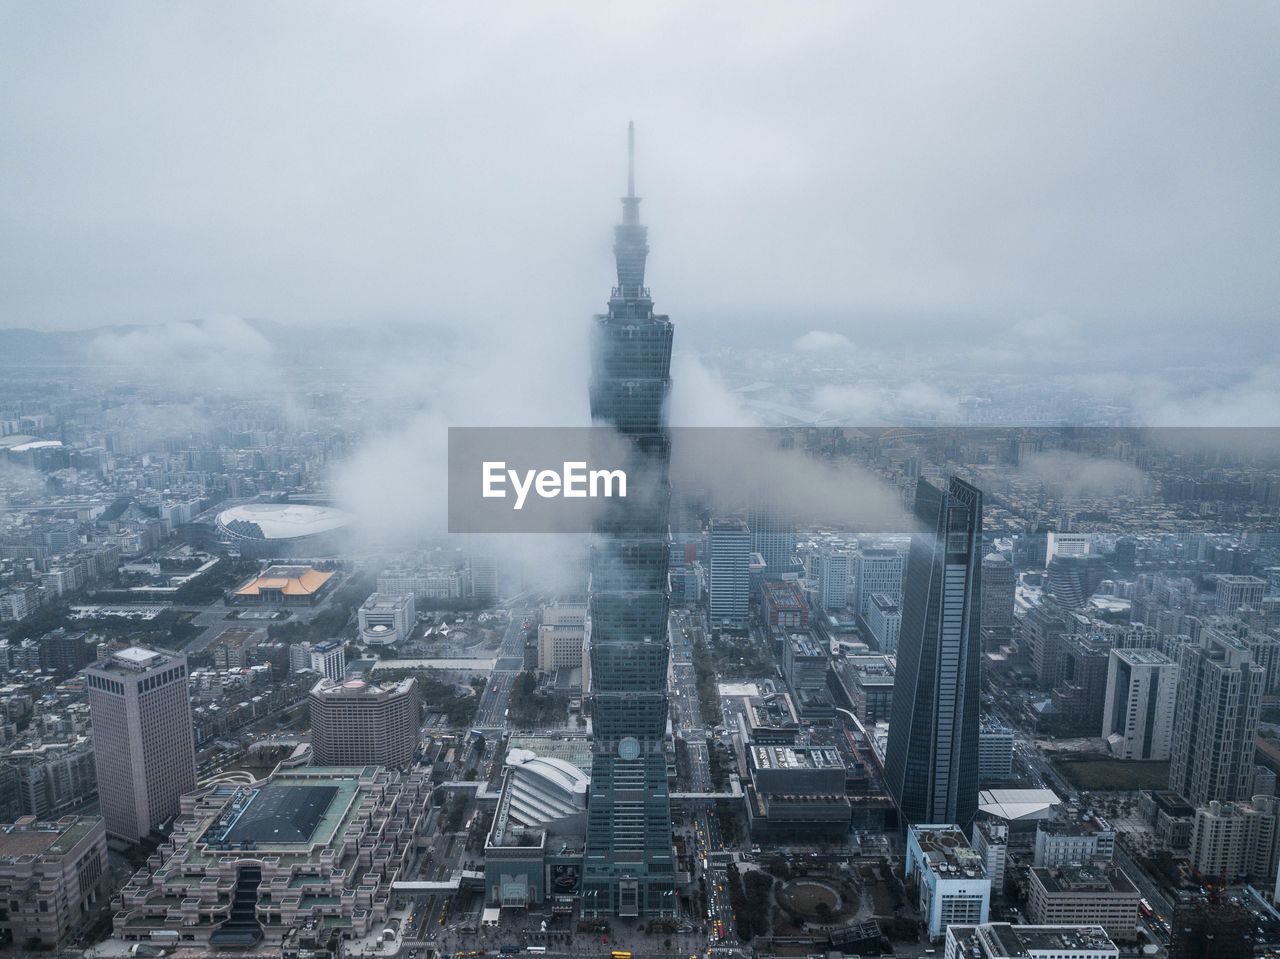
(736, 467)
(882, 406)
(700, 396)
(1230, 399)
(217, 353)
(1074, 476)
(1046, 328)
(822, 341)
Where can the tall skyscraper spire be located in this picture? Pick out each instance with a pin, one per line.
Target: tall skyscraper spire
(629, 866)
(631, 159)
(630, 238)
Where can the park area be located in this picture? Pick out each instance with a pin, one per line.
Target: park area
(1102, 773)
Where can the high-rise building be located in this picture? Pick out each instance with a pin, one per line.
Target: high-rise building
(730, 574)
(329, 659)
(1215, 720)
(1080, 696)
(1043, 631)
(990, 838)
(773, 536)
(877, 570)
(1235, 841)
(1234, 592)
(561, 636)
(999, 588)
(1072, 579)
(995, 752)
(884, 622)
(1142, 687)
(931, 763)
(144, 752)
(834, 576)
(805, 663)
(483, 574)
(950, 876)
(629, 862)
(1067, 544)
(359, 723)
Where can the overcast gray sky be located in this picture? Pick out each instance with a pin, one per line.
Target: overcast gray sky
(1111, 163)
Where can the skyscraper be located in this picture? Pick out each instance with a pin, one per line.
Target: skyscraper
(999, 592)
(144, 753)
(730, 574)
(876, 571)
(1215, 721)
(359, 723)
(773, 536)
(931, 763)
(629, 867)
(833, 578)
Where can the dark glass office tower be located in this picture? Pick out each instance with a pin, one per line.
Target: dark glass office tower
(931, 764)
(630, 867)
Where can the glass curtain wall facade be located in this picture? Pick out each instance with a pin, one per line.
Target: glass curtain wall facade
(931, 763)
(629, 867)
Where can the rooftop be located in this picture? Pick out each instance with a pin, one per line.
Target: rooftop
(29, 837)
(1143, 657)
(283, 520)
(1000, 940)
(573, 750)
(296, 810)
(1170, 803)
(290, 580)
(803, 644)
(1084, 879)
(796, 757)
(134, 659)
(386, 601)
(873, 670)
(360, 688)
(1017, 803)
(1073, 823)
(946, 849)
(884, 602)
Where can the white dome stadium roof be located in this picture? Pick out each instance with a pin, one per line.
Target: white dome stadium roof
(285, 520)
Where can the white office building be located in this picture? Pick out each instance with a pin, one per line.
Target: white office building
(835, 569)
(562, 637)
(386, 619)
(950, 878)
(1234, 592)
(1068, 544)
(885, 620)
(1142, 690)
(877, 570)
(991, 842)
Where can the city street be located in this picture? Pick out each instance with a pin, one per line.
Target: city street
(491, 715)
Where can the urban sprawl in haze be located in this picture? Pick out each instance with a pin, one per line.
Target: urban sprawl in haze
(906, 630)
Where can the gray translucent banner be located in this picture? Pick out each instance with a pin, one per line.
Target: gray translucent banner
(565, 480)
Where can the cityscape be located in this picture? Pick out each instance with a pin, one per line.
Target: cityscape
(884, 648)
